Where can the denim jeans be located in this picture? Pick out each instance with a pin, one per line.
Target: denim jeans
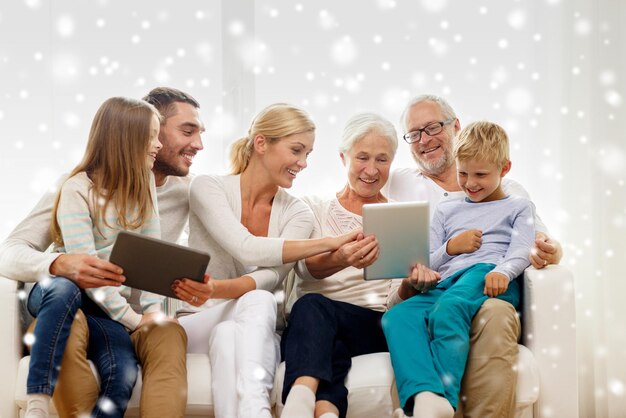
(320, 340)
(54, 302)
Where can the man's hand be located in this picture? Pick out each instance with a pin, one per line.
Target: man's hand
(466, 242)
(87, 271)
(495, 284)
(545, 251)
(155, 317)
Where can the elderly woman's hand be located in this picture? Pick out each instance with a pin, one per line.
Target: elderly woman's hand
(422, 278)
(360, 253)
(339, 240)
(193, 292)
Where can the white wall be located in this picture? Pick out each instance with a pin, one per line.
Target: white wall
(550, 71)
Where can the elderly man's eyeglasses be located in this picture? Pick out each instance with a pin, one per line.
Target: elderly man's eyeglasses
(431, 129)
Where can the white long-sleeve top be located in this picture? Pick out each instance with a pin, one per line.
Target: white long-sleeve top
(23, 253)
(76, 215)
(508, 233)
(347, 285)
(215, 227)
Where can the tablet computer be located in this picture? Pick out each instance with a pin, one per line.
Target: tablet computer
(152, 264)
(402, 231)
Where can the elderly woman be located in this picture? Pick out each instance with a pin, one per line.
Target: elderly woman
(337, 315)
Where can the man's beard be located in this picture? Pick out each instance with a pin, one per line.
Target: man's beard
(166, 169)
(434, 168)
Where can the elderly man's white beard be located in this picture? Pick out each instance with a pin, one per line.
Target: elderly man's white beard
(434, 168)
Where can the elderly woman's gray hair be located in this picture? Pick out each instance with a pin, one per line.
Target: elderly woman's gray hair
(445, 107)
(362, 124)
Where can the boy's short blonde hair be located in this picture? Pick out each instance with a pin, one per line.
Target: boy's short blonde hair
(483, 140)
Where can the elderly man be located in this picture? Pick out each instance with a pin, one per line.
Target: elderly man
(430, 125)
(160, 348)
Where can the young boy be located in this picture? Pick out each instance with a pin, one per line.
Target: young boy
(479, 245)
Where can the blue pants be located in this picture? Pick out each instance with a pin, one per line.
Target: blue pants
(428, 334)
(54, 302)
(322, 337)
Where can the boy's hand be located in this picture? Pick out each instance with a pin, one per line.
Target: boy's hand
(495, 284)
(465, 242)
(422, 278)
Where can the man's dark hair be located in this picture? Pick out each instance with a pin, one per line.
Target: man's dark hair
(164, 98)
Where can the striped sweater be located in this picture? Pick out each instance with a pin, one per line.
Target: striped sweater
(76, 215)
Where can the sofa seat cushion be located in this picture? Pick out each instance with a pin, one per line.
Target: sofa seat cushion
(369, 383)
(371, 377)
(199, 397)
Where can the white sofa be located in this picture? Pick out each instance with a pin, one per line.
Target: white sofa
(547, 379)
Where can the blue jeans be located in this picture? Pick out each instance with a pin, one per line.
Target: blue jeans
(54, 302)
(320, 340)
(428, 334)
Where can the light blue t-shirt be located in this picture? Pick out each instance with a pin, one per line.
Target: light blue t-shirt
(508, 234)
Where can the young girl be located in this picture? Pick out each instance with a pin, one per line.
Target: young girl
(112, 189)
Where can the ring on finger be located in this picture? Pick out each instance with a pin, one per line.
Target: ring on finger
(545, 262)
(194, 299)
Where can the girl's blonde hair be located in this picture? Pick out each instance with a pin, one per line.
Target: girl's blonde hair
(116, 162)
(483, 140)
(274, 122)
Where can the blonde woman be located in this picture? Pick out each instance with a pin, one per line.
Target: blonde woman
(254, 231)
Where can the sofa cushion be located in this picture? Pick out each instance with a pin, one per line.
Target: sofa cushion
(199, 397)
(369, 383)
(370, 379)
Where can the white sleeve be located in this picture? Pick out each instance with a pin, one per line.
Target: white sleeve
(299, 224)
(393, 298)
(209, 203)
(300, 267)
(511, 187)
(22, 254)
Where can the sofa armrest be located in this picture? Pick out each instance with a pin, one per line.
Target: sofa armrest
(549, 331)
(11, 347)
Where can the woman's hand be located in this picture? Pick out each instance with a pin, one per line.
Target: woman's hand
(465, 242)
(193, 292)
(338, 241)
(359, 254)
(422, 278)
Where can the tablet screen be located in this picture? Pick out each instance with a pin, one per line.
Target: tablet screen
(402, 232)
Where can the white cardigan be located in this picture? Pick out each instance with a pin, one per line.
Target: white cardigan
(215, 227)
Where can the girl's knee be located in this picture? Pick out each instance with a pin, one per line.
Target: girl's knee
(59, 287)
